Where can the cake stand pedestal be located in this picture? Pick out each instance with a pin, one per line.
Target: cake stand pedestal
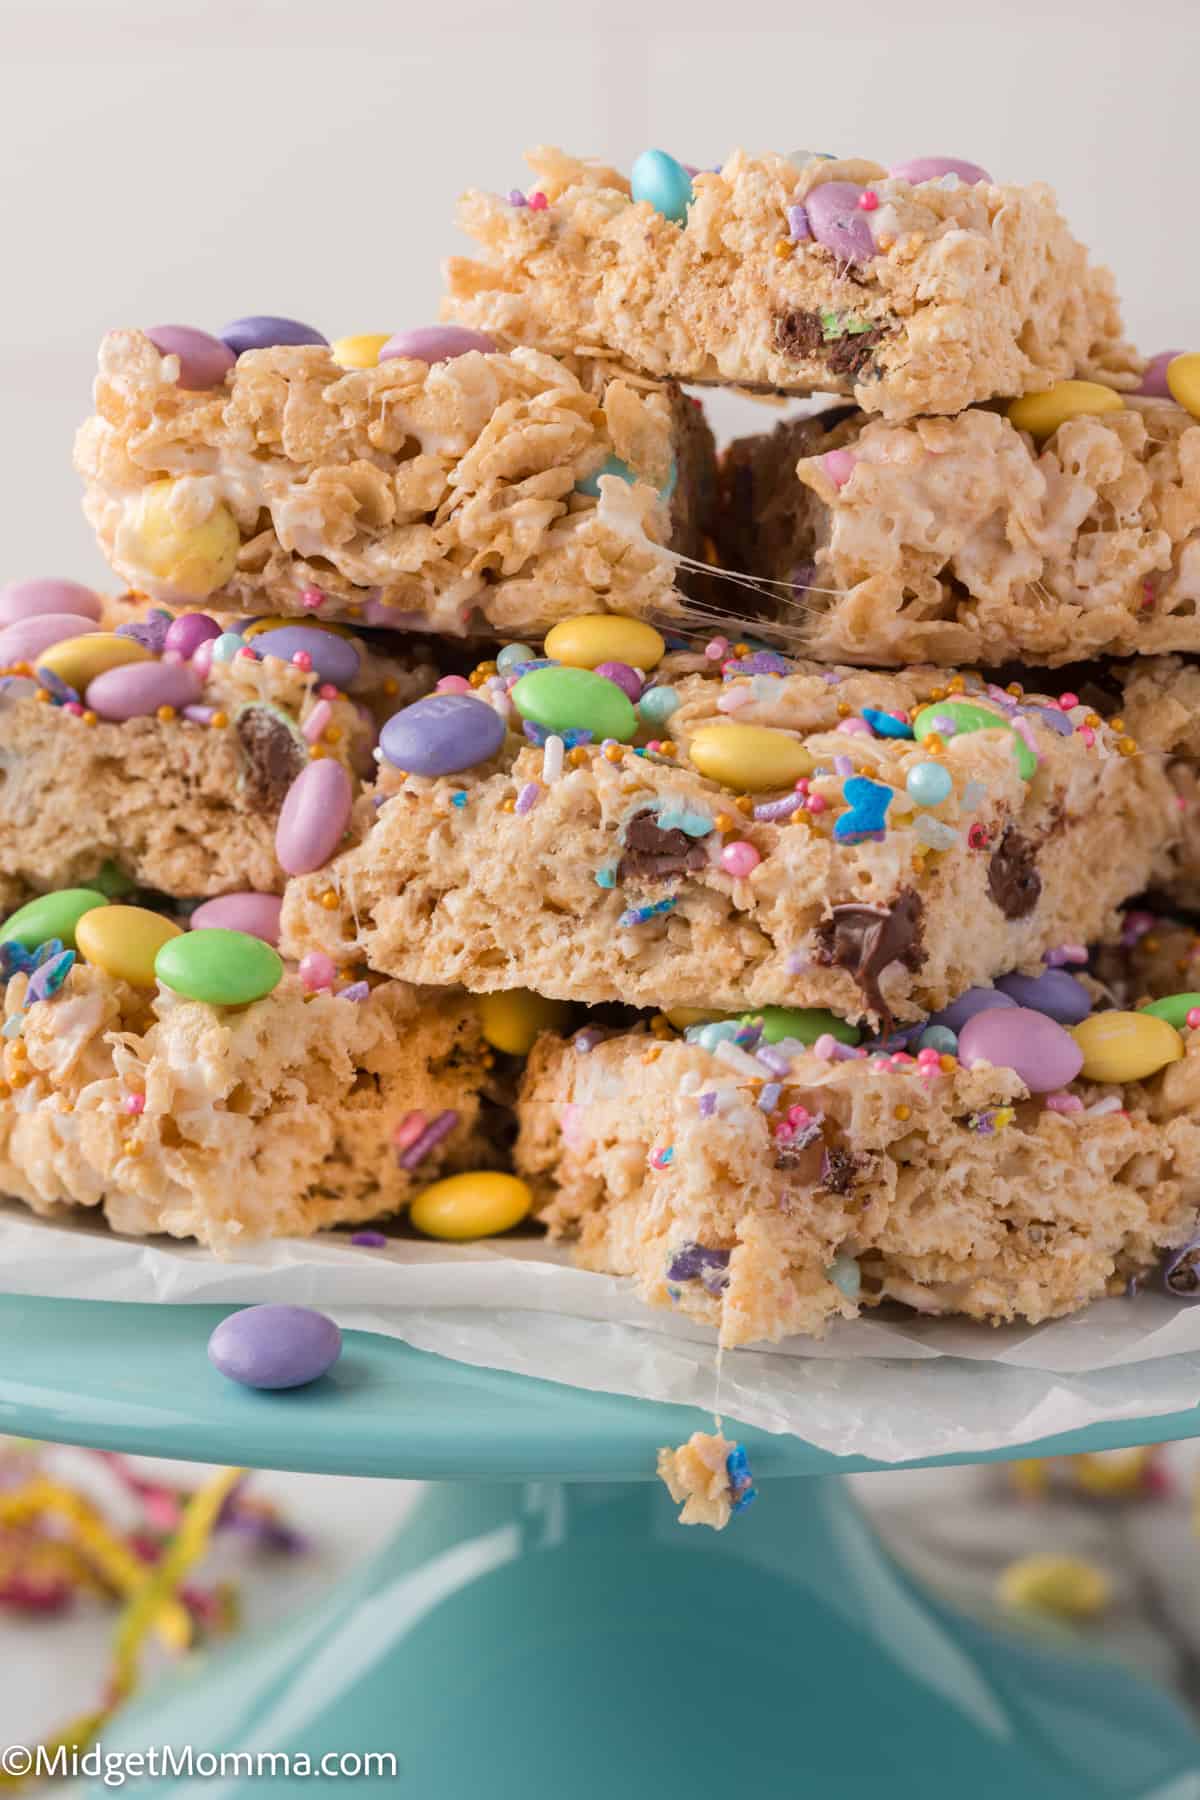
(542, 1626)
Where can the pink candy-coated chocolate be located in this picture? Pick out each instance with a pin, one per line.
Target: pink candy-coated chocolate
(134, 690)
(255, 914)
(839, 466)
(28, 638)
(932, 168)
(191, 629)
(837, 223)
(313, 817)
(1154, 377)
(1043, 1054)
(33, 599)
(204, 361)
(435, 343)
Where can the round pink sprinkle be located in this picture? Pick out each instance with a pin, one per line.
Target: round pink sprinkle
(328, 691)
(1193, 1019)
(302, 660)
(1067, 701)
(716, 648)
(135, 1103)
(817, 803)
(839, 466)
(317, 971)
(900, 1058)
(453, 684)
(73, 706)
(802, 785)
(739, 858)
(247, 654)
(311, 598)
(928, 1059)
(798, 1115)
(538, 203)
(868, 200)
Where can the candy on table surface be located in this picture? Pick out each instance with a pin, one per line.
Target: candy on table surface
(124, 941)
(562, 699)
(186, 546)
(480, 1203)
(658, 178)
(594, 638)
(257, 915)
(360, 350)
(749, 758)
(1126, 1046)
(442, 734)
(46, 594)
(435, 343)
(27, 640)
(275, 1346)
(314, 816)
(513, 1019)
(1042, 1053)
(263, 331)
(204, 361)
(1042, 413)
(219, 966)
(1065, 1587)
(50, 916)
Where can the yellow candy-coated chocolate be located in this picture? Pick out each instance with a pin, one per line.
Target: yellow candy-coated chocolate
(1064, 1586)
(360, 350)
(79, 660)
(1043, 412)
(1183, 379)
(124, 941)
(192, 556)
(749, 758)
(512, 1021)
(683, 1016)
(1125, 1046)
(595, 638)
(476, 1205)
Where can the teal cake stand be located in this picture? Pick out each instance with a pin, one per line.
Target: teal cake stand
(541, 1626)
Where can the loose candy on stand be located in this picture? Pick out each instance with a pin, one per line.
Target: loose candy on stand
(275, 1346)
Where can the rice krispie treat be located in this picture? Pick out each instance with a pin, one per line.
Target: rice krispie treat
(271, 1117)
(968, 539)
(870, 843)
(1006, 1165)
(922, 289)
(430, 491)
(169, 748)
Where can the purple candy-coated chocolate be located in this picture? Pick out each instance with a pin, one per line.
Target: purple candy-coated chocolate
(1044, 1055)
(275, 1346)
(435, 343)
(1053, 992)
(262, 331)
(626, 678)
(334, 658)
(836, 221)
(442, 734)
(975, 1000)
(369, 1240)
(204, 361)
(1154, 377)
(313, 817)
(135, 690)
(187, 632)
(32, 599)
(932, 168)
(255, 914)
(28, 638)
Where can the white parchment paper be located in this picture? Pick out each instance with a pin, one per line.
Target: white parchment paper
(887, 1389)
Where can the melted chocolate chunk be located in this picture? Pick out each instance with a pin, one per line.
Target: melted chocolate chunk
(799, 333)
(273, 756)
(850, 355)
(1013, 880)
(838, 1170)
(868, 939)
(652, 854)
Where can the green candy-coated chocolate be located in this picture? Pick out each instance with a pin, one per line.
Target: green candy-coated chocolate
(968, 716)
(575, 700)
(807, 1023)
(222, 968)
(50, 916)
(1174, 1008)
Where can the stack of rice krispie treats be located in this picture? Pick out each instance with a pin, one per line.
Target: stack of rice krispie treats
(722, 861)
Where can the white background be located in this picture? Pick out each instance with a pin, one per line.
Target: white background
(192, 160)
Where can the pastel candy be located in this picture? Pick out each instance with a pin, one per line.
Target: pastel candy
(1042, 1053)
(975, 1000)
(1126, 1046)
(186, 633)
(1053, 992)
(435, 343)
(135, 690)
(513, 1020)
(475, 1205)
(45, 594)
(219, 967)
(932, 168)
(1042, 413)
(967, 716)
(78, 660)
(836, 221)
(749, 758)
(594, 638)
(255, 914)
(358, 351)
(27, 639)
(189, 558)
(334, 658)
(124, 941)
(50, 916)
(627, 679)
(662, 181)
(442, 734)
(804, 1023)
(562, 699)
(1174, 1008)
(1154, 376)
(262, 331)
(313, 817)
(204, 361)
(274, 1346)
(1183, 379)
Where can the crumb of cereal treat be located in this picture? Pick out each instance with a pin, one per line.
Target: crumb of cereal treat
(175, 768)
(870, 843)
(508, 490)
(965, 539)
(768, 1188)
(710, 1477)
(233, 1123)
(797, 274)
